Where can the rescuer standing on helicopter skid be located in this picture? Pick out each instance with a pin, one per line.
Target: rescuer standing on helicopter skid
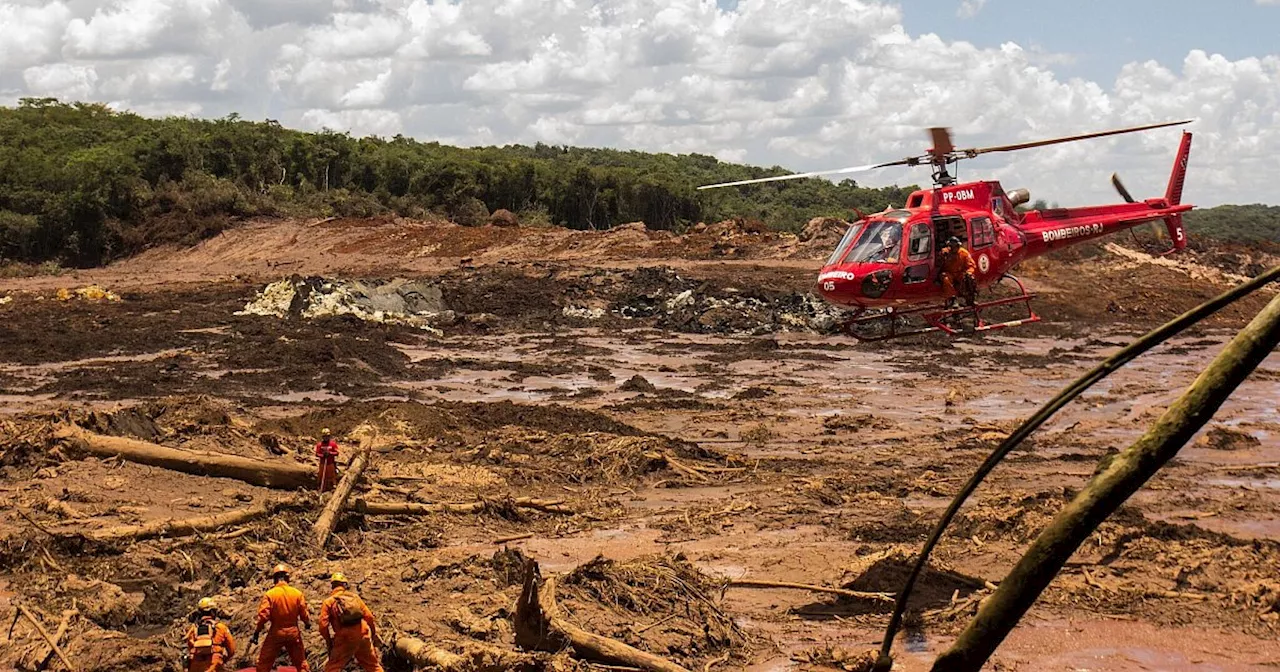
(327, 453)
(957, 273)
(349, 629)
(282, 606)
(209, 642)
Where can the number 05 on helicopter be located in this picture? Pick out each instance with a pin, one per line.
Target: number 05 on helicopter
(890, 267)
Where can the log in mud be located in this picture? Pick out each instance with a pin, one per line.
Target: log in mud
(268, 474)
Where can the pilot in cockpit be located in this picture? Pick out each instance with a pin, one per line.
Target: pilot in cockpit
(890, 239)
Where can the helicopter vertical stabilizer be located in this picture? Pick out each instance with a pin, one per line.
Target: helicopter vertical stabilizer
(1173, 195)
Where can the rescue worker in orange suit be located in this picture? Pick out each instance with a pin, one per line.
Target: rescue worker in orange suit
(327, 453)
(209, 642)
(348, 629)
(957, 273)
(283, 606)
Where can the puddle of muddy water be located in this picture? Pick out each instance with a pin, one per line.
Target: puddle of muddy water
(309, 396)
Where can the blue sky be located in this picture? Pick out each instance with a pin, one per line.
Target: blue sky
(1097, 37)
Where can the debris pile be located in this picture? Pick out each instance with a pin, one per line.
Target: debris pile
(414, 303)
(89, 293)
(659, 603)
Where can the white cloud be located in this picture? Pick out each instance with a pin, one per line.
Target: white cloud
(30, 33)
(137, 27)
(970, 8)
(61, 80)
(807, 84)
(360, 122)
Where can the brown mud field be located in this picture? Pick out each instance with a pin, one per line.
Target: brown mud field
(650, 418)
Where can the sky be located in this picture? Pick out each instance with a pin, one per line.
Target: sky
(803, 84)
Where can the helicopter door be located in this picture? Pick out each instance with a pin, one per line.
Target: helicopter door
(919, 255)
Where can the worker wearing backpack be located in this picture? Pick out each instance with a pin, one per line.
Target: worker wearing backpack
(209, 642)
(348, 629)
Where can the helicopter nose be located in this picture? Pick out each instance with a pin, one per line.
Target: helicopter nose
(835, 285)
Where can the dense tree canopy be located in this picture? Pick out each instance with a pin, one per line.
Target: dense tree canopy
(81, 183)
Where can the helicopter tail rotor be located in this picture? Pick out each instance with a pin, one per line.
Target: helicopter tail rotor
(1124, 193)
(1156, 230)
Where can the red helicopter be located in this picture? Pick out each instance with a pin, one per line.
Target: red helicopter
(896, 290)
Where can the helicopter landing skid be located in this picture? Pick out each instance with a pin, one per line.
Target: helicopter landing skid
(949, 320)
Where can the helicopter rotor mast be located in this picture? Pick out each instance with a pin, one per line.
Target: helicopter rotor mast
(944, 153)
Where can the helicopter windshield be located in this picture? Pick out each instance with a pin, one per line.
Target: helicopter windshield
(879, 242)
(846, 241)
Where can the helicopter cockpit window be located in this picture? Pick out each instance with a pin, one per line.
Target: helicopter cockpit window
(845, 242)
(881, 241)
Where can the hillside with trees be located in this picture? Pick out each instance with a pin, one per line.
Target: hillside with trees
(82, 184)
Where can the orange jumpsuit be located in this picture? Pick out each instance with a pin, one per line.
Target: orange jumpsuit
(327, 452)
(224, 647)
(348, 641)
(283, 606)
(958, 269)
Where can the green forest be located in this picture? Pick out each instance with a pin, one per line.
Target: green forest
(81, 184)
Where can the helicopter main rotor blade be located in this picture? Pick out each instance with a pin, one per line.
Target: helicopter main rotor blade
(1069, 138)
(797, 176)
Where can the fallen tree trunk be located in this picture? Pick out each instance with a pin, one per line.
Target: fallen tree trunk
(186, 527)
(338, 500)
(475, 657)
(540, 626)
(1113, 484)
(855, 594)
(269, 474)
(418, 509)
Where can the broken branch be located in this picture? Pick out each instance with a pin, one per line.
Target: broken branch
(45, 634)
(67, 615)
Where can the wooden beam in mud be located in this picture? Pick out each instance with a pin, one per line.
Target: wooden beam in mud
(276, 474)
